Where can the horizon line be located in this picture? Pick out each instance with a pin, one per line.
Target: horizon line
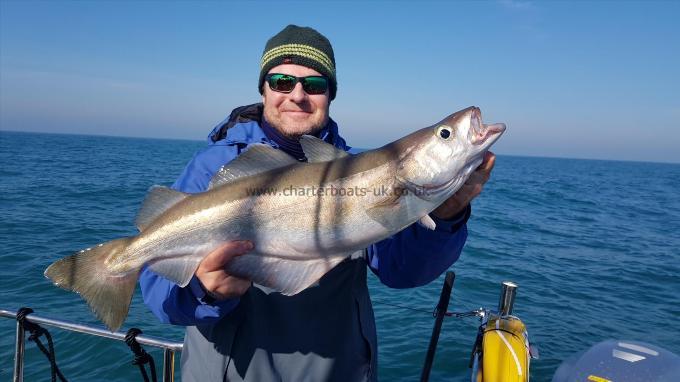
(356, 148)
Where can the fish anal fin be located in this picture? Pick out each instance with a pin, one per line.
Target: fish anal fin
(179, 270)
(258, 158)
(158, 200)
(287, 276)
(317, 150)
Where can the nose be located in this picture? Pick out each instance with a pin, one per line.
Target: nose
(298, 94)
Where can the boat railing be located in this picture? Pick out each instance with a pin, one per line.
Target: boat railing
(169, 348)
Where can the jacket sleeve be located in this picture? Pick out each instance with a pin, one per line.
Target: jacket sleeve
(416, 255)
(169, 302)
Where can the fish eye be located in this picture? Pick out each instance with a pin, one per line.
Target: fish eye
(444, 132)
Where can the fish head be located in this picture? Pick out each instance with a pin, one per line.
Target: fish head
(436, 161)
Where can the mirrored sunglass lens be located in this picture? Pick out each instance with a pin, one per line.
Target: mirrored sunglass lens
(282, 83)
(315, 85)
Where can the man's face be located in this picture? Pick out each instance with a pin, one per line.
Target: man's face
(296, 113)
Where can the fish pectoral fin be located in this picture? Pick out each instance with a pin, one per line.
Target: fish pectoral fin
(392, 199)
(427, 222)
(318, 150)
(388, 210)
(179, 270)
(158, 200)
(258, 158)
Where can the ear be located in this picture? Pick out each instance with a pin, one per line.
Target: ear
(263, 90)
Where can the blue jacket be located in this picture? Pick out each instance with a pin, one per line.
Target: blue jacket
(410, 258)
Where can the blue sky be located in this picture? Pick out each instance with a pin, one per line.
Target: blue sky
(570, 79)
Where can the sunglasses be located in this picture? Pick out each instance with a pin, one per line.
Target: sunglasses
(284, 83)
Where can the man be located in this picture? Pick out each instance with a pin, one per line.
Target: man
(240, 331)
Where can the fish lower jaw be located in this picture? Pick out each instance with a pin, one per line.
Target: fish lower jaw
(489, 133)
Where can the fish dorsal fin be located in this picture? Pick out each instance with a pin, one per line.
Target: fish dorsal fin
(317, 150)
(158, 200)
(257, 159)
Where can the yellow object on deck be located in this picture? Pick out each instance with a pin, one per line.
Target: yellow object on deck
(505, 350)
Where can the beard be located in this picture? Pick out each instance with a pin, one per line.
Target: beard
(293, 128)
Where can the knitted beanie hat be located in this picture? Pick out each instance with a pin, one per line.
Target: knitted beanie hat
(301, 46)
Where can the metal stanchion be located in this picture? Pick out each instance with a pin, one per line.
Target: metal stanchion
(507, 300)
(19, 354)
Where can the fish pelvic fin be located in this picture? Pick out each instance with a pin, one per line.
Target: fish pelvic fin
(86, 273)
(427, 222)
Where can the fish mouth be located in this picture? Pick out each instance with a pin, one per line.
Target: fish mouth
(481, 133)
(489, 133)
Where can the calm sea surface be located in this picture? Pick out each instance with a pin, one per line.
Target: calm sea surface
(593, 245)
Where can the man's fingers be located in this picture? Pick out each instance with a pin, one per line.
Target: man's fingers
(482, 173)
(469, 192)
(488, 162)
(222, 288)
(465, 189)
(219, 257)
(477, 177)
(239, 286)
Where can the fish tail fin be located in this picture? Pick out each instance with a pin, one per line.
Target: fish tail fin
(108, 293)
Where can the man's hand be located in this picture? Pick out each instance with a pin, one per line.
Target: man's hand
(472, 187)
(218, 283)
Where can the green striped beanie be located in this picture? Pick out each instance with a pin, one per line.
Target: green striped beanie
(301, 46)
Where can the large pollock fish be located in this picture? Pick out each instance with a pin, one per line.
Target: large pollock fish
(304, 218)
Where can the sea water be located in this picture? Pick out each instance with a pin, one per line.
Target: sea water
(593, 245)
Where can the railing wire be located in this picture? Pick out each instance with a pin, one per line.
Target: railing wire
(26, 319)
